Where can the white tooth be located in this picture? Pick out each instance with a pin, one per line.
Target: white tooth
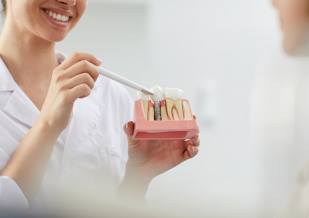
(50, 13)
(172, 93)
(64, 18)
(59, 17)
(151, 114)
(142, 96)
(158, 93)
(54, 16)
(164, 115)
(174, 103)
(187, 110)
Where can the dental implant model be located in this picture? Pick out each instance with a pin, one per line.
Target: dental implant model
(164, 115)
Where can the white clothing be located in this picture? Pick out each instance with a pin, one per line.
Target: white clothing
(92, 148)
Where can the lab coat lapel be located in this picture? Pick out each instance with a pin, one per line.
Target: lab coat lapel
(17, 105)
(20, 107)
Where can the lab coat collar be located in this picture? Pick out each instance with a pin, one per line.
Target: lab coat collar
(17, 105)
(7, 82)
(20, 107)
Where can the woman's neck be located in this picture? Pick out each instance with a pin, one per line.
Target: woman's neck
(27, 56)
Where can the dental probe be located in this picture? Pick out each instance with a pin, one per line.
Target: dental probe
(105, 72)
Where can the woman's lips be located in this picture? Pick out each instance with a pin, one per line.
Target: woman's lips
(56, 19)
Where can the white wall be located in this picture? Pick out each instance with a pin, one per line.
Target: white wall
(222, 41)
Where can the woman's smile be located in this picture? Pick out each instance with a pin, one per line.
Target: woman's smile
(50, 20)
(57, 18)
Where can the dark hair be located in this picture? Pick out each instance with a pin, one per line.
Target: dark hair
(4, 5)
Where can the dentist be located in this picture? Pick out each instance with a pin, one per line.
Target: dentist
(60, 121)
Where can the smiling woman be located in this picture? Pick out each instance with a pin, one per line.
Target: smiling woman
(53, 107)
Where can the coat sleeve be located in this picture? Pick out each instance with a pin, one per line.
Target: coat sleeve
(11, 196)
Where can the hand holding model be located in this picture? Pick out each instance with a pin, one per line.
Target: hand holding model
(149, 158)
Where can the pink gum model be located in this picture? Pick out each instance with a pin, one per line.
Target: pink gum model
(162, 130)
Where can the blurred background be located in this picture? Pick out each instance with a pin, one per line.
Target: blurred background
(215, 51)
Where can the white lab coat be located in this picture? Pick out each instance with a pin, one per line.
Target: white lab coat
(91, 150)
(280, 132)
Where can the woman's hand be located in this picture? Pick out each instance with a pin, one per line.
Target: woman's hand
(150, 158)
(73, 79)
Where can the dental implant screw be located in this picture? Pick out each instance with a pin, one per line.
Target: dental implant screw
(157, 110)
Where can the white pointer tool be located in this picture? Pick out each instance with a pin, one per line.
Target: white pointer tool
(107, 73)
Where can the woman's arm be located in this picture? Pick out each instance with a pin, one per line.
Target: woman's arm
(71, 80)
(134, 185)
(28, 163)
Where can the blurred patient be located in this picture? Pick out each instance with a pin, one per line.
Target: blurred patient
(281, 116)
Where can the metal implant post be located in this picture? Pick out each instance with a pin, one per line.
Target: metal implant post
(157, 97)
(157, 110)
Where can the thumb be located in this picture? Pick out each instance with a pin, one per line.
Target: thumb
(129, 129)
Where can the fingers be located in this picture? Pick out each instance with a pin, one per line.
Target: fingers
(195, 141)
(191, 147)
(83, 78)
(76, 76)
(77, 57)
(79, 91)
(83, 66)
(190, 152)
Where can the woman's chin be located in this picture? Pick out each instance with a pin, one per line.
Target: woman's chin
(296, 49)
(54, 37)
(289, 49)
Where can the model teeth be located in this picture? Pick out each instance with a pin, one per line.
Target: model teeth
(174, 94)
(145, 101)
(187, 112)
(164, 105)
(151, 112)
(174, 103)
(58, 17)
(164, 115)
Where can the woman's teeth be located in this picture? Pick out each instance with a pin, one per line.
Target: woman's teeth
(58, 17)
